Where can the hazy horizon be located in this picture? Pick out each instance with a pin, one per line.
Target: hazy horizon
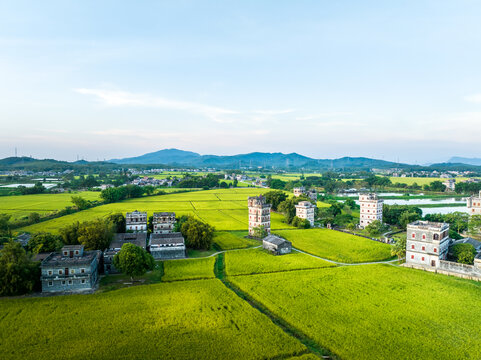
(397, 82)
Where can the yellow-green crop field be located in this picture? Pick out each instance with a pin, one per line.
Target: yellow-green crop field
(198, 319)
(188, 269)
(376, 311)
(257, 261)
(419, 180)
(23, 205)
(227, 240)
(337, 246)
(225, 209)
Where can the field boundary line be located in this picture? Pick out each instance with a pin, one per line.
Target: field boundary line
(311, 345)
(346, 264)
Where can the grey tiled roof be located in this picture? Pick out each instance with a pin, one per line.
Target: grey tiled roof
(164, 239)
(276, 240)
(56, 259)
(139, 239)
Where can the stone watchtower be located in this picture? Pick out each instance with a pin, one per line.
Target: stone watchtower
(371, 209)
(259, 213)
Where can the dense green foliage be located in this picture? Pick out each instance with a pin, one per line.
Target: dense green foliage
(81, 203)
(133, 260)
(197, 234)
(95, 234)
(337, 246)
(44, 242)
(275, 198)
(204, 182)
(199, 319)
(115, 194)
(393, 214)
(376, 311)
(18, 274)
(463, 253)
(202, 268)
(257, 261)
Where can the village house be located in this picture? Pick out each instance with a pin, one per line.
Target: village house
(276, 245)
(163, 222)
(139, 239)
(476, 244)
(73, 269)
(167, 246)
(312, 194)
(371, 209)
(474, 205)
(259, 214)
(305, 210)
(450, 184)
(136, 221)
(427, 243)
(299, 191)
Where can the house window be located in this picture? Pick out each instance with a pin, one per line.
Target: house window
(60, 272)
(412, 246)
(412, 256)
(50, 272)
(82, 271)
(435, 250)
(424, 248)
(83, 281)
(413, 235)
(422, 258)
(65, 253)
(76, 252)
(50, 283)
(72, 271)
(424, 236)
(63, 282)
(70, 282)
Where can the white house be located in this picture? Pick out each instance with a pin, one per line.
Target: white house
(371, 209)
(427, 243)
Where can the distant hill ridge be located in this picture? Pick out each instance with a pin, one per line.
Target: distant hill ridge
(464, 160)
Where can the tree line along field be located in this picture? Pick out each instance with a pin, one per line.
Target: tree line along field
(225, 209)
(376, 311)
(199, 319)
(336, 245)
(19, 206)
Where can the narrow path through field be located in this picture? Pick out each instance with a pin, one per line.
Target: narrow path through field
(346, 264)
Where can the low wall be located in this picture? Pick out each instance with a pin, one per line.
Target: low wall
(469, 272)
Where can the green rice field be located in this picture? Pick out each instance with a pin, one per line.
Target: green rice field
(185, 269)
(337, 246)
(227, 240)
(376, 311)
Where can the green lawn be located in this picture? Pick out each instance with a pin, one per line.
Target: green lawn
(337, 246)
(255, 261)
(199, 319)
(376, 311)
(188, 269)
(225, 209)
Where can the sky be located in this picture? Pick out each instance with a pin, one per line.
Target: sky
(397, 81)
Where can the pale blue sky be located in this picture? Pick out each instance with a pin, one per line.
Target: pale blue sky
(103, 79)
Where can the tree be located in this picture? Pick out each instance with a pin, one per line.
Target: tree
(18, 274)
(44, 242)
(5, 225)
(463, 253)
(408, 217)
(259, 232)
(474, 225)
(351, 204)
(235, 183)
(301, 223)
(399, 248)
(197, 234)
(96, 234)
(118, 222)
(69, 234)
(80, 202)
(275, 198)
(132, 260)
(375, 228)
(33, 218)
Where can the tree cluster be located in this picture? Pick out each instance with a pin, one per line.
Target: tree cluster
(116, 194)
(197, 234)
(133, 260)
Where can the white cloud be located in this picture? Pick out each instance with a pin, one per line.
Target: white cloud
(322, 115)
(475, 98)
(124, 98)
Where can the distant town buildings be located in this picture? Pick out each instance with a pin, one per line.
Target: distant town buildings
(427, 243)
(136, 221)
(167, 246)
(139, 239)
(371, 209)
(276, 245)
(73, 269)
(474, 205)
(299, 191)
(305, 210)
(450, 184)
(163, 222)
(259, 214)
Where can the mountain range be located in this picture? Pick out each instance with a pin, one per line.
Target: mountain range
(464, 160)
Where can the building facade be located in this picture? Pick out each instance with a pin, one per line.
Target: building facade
(136, 221)
(371, 209)
(163, 222)
(306, 210)
(427, 243)
(299, 191)
(139, 239)
(450, 184)
(167, 246)
(259, 214)
(474, 205)
(276, 245)
(73, 269)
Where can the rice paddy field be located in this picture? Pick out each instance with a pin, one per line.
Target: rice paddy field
(257, 261)
(419, 180)
(228, 240)
(22, 205)
(337, 246)
(198, 319)
(187, 269)
(376, 311)
(225, 209)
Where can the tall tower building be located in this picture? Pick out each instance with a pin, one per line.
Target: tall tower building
(371, 209)
(259, 213)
